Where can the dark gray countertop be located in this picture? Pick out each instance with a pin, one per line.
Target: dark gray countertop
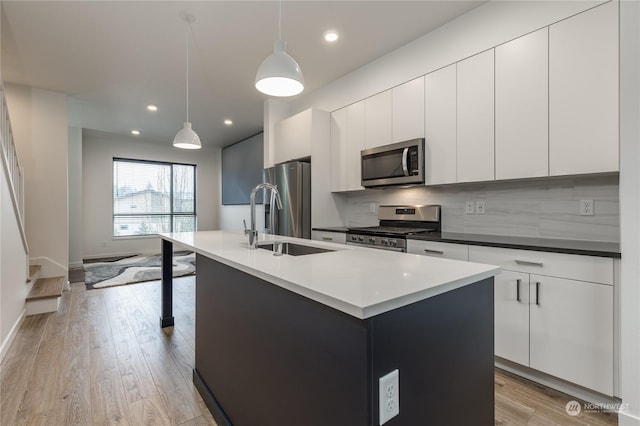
(331, 229)
(589, 248)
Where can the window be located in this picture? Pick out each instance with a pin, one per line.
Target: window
(151, 197)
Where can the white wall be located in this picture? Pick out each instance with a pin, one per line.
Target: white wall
(39, 122)
(630, 210)
(75, 197)
(98, 151)
(231, 217)
(13, 264)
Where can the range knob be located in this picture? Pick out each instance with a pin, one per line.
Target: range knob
(372, 240)
(393, 243)
(384, 242)
(354, 238)
(360, 240)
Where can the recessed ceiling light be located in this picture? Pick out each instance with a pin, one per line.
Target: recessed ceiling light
(135, 132)
(331, 36)
(228, 122)
(152, 107)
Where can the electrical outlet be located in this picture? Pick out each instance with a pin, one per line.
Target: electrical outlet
(479, 207)
(389, 396)
(468, 207)
(372, 207)
(586, 207)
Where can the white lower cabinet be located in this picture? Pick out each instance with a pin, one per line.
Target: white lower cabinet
(438, 249)
(571, 331)
(554, 324)
(330, 237)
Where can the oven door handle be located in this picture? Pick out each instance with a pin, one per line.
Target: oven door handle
(405, 154)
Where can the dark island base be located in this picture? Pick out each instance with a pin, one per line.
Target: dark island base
(267, 356)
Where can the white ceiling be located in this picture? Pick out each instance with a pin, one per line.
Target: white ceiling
(114, 57)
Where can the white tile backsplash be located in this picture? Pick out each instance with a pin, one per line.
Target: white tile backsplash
(547, 208)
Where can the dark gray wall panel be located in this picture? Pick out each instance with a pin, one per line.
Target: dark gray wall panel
(242, 165)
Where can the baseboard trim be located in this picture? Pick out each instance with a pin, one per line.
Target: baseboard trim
(628, 420)
(12, 335)
(563, 386)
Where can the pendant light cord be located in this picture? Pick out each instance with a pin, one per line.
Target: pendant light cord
(188, 25)
(280, 20)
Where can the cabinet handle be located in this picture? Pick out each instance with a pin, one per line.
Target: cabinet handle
(434, 251)
(528, 262)
(538, 293)
(518, 290)
(327, 238)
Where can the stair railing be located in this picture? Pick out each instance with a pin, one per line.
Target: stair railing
(11, 165)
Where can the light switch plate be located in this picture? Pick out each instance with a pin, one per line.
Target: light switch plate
(469, 207)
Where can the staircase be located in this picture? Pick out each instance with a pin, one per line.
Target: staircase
(45, 294)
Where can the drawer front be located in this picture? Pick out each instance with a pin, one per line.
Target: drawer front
(437, 249)
(330, 237)
(570, 266)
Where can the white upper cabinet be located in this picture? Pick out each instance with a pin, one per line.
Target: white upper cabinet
(583, 92)
(408, 110)
(355, 144)
(522, 107)
(378, 113)
(475, 118)
(440, 126)
(339, 163)
(347, 140)
(293, 137)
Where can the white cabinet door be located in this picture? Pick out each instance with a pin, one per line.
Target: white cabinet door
(583, 92)
(355, 144)
(339, 149)
(293, 137)
(438, 249)
(378, 119)
(522, 107)
(571, 331)
(408, 111)
(475, 118)
(511, 293)
(440, 126)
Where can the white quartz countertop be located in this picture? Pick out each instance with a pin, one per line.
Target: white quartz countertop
(359, 281)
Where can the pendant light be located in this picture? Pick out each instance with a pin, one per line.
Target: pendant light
(186, 138)
(279, 74)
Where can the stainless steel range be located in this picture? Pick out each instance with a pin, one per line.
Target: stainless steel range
(396, 223)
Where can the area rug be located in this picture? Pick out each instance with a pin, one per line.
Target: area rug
(135, 269)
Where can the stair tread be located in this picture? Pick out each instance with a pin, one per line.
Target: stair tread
(46, 288)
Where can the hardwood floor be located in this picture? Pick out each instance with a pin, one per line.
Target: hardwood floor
(103, 359)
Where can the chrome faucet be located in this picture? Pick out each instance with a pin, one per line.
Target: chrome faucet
(253, 233)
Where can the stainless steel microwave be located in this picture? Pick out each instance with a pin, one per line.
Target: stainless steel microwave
(400, 163)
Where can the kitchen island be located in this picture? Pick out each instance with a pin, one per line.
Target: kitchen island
(303, 340)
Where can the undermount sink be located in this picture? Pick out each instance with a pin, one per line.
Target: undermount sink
(293, 249)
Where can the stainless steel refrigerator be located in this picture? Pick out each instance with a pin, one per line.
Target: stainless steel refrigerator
(293, 181)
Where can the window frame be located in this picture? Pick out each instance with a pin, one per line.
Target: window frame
(171, 214)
